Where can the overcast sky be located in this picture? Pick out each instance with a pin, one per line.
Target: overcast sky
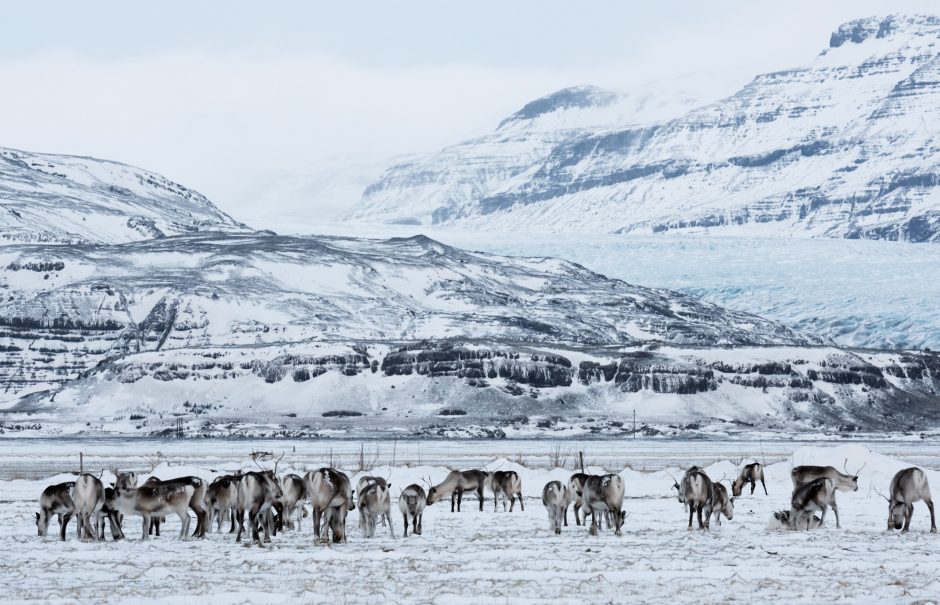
(283, 108)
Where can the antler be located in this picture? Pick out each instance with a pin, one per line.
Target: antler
(858, 472)
(880, 494)
(276, 462)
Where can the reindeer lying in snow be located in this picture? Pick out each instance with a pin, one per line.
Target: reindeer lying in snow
(907, 487)
(411, 503)
(556, 496)
(781, 520)
(331, 495)
(455, 484)
(507, 484)
(752, 473)
(56, 500)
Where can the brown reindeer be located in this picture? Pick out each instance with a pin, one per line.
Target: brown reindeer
(721, 503)
(221, 500)
(507, 484)
(331, 495)
(258, 491)
(374, 503)
(455, 484)
(907, 487)
(197, 503)
(602, 495)
(155, 499)
(817, 495)
(295, 494)
(411, 503)
(802, 475)
(752, 473)
(556, 496)
(55, 500)
(698, 492)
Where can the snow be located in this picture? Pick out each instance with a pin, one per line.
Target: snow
(486, 556)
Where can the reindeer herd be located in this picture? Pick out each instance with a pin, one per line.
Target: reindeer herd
(273, 503)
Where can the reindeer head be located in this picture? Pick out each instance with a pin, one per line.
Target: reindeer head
(434, 494)
(854, 477)
(42, 523)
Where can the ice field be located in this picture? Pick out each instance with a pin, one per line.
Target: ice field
(483, 557)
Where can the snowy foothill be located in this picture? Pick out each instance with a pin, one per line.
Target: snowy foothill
(487, 556)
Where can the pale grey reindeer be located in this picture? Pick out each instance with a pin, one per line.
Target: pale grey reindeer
(576, 487)
(508, 485)
(602, 495)
(698, 492)
(258, 491)
(331, 495)
(361, 486)
(907, 487)
(556, 496)
(55, 500)
(295, 494)
(816, 495)
(155, 499)
(88, 499)
(455, 484)
(374, 503)
(751, 473)
(222, 500)
(801, 475)
(411, 503)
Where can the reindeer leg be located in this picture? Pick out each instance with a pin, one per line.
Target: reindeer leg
(453, 500)
(521, 505)
(64, 522)
(698, 510)
(753, 485)
(480, 495)
(240, 515)
(933, 523)
(565, 515)
(908, 515)
(835, 509)
(765, 486)
(146, 527)
(691, 515)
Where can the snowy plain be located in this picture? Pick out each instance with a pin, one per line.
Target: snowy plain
(484, 557)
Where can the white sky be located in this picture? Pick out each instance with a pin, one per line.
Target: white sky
(280, 111)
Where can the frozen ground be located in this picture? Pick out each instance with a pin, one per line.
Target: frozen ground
(488, 557)
(858, 292)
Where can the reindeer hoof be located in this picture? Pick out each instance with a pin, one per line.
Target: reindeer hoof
(557, 530)
(933, 530)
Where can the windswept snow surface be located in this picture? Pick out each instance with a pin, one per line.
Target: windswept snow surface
(487, 557)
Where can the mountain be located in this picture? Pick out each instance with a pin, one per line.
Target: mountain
(846, 147)
(68, 199)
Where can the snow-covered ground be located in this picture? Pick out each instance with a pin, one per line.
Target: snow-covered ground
(484, 556)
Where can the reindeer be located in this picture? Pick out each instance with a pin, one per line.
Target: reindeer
(455, 484)
(749, 474)
(818, 494)
(556, 496)
(907, 487)
(363, 484)
(374, 503)
(113, 515)
(88, 498)
(721, 503)
(331, 495)
(411, 503)
(576, 487)
(258, 491)
(155, 499)
(507, 484)
(222, 498)
(295, 494)
(197, 503)
(604, 494)
(802, 475)
(781, 520)
(56, 500)
(698, 492)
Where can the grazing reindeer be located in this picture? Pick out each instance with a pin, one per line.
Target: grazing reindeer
(802, 475)
(818, 494)
(56, 500)
(411, 503)
(155, 499)
(363, 484)
(604, 494)
(374, 503)
(258, 491)
(88, 498)
(576, 487)
(295, 494)
(721, 503)
(331, 495)
(907, 487)
(197, 503)
(112, 514)
(698, 492)
(222, 498)
(507, 484)
(752, 473)
(556, 496)
(456, 483)
(781, 520)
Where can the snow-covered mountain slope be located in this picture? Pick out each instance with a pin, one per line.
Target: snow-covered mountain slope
(846, 147)
(67, 308)
(68, 199)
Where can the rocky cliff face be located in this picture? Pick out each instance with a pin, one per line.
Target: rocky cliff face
(845, 147)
